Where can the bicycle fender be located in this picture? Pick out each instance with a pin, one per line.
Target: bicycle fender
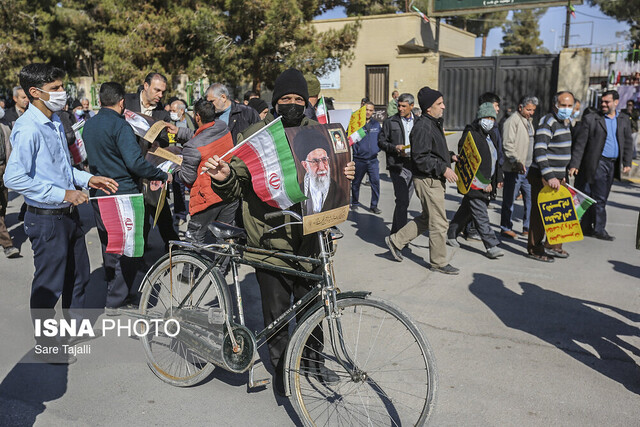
(309, 312)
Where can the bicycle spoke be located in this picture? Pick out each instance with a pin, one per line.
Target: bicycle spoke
(388, 387)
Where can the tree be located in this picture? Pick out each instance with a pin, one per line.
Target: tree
(479, 24)
(261, 38)
(624, 11)
(375, 7)
(521, 33)
(231, 41)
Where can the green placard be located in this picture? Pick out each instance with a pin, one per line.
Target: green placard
(456, 7)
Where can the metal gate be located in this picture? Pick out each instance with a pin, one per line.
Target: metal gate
(463, 80)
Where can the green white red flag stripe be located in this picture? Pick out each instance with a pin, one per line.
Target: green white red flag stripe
(357, 136)
(273, 171)
(321, 112)
(123, 218)
(580, 201)
(479, 182)
(77, 149)
(422, 15)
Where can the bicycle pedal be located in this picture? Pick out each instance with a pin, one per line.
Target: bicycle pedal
(258, 375)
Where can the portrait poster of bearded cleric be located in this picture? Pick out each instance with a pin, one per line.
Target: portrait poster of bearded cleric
(320, 170)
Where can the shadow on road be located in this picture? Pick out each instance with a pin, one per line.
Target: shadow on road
(626, 268)
(565, 323)
(370, 227)
(26, 389)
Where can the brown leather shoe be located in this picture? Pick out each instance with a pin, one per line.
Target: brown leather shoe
(508, 233)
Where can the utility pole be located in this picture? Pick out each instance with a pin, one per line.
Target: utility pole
(567, 26)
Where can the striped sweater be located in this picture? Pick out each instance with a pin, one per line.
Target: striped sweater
(552, 148)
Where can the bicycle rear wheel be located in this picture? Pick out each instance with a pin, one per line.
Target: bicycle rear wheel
(170, 359)
(396, 379)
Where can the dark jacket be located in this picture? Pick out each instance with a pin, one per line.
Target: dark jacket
(240, 118)
(310, 112)
(10, 116)
(112, 150)
(633, 117)
(132, 103)
(392, 134)
(68, 120)
(287, 239)
(211, 138)
(480, 138)
(430, 156)
(367, 148)
(589, 143)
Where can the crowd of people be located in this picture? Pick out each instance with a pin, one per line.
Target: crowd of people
(515, 156)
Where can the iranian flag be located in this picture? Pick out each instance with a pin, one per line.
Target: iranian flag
(580, 200)
(77, 149)
(321, 112)
(422, 15)
(357, 136)
(123, 218)
(270, 162)
(479, 182)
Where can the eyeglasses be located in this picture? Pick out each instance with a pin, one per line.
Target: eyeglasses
(316, 162)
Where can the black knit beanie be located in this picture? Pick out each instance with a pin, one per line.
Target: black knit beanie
(427, 97)
(258, 104)
(290, 81)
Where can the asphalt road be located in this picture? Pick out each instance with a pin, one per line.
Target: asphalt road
(517, 342)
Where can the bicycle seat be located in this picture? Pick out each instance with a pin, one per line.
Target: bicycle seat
(226, 231)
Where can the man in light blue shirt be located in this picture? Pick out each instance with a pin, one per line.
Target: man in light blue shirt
(40, 170)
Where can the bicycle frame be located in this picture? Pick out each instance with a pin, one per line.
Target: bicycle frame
(325, 288)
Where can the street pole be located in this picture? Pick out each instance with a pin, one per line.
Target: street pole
(567, 26)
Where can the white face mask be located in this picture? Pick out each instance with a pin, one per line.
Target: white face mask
(57, 100)
(174, 116)
(487, 124)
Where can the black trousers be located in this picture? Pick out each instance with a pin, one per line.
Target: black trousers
(165, 224)
(276, 290)
(122, 273)
(475, 210)
(595, 218)
(403, 190)
(198, 232)
(61, 262)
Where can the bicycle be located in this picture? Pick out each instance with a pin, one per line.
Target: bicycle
(385, 366)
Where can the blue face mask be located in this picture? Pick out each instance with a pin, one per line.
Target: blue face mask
(576, 114)
(487, 124)
(564, 113)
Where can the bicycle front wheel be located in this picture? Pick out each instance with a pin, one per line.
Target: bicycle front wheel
(166, 285)
(393, 379)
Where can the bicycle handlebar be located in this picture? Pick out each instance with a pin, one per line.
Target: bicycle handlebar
(272, 215)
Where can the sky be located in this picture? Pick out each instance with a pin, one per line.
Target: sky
(590, 28)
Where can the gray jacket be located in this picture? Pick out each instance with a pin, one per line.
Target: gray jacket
(516, 144)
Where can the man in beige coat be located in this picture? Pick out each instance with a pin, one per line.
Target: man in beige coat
(5, 150)
(517, 144)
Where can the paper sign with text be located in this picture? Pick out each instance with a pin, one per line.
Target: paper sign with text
(468, 164)
(559, 216)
